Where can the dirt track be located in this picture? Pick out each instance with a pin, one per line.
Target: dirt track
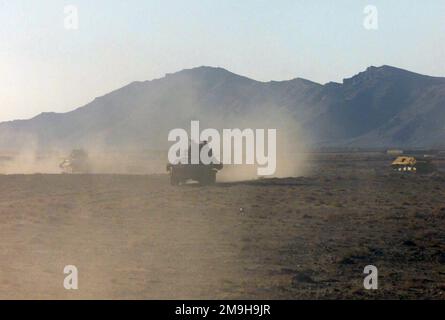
(136, 237)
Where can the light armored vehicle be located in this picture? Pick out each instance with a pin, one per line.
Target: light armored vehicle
(205, 174)
(413, 165)
(77, 162)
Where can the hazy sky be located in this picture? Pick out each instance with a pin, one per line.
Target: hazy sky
(45, 67)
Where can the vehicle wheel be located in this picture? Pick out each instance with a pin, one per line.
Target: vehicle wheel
(174, 180)
(208, 179)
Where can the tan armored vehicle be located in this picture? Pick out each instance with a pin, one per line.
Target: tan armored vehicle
(77, 162)
(413, 165)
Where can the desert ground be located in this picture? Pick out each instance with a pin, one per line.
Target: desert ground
(308, 237)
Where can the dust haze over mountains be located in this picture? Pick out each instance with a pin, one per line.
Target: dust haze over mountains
(381, 107)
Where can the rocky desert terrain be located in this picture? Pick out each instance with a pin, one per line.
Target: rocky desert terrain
(310, 237)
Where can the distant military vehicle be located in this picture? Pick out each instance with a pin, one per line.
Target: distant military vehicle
(205, 174)
(77, 162)
(413, 165)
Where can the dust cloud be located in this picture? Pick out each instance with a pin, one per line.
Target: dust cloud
(291, 144)
(290, 152)
(99, 162)
(146, 152)
(28, 160)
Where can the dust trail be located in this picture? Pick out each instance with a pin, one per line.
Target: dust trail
(291, 152)
(29, 160)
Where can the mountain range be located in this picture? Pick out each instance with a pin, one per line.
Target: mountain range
(381, 107)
